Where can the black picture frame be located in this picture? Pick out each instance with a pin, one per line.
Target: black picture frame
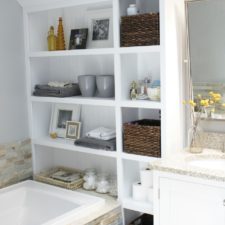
(78, 38)
(100, 29)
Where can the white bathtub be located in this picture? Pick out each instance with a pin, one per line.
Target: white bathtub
(33, 203)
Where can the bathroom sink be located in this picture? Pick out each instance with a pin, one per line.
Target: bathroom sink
(208, 163)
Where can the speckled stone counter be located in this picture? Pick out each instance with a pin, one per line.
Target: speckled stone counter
(109, 214)
(179, 164)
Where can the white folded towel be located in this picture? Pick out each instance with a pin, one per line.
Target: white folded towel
(102, 133)
(58, 84)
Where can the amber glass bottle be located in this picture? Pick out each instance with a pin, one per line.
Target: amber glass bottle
(51, 39)
(60, 42)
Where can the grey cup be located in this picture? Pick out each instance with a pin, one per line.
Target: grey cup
(105, 86)
(87, 84)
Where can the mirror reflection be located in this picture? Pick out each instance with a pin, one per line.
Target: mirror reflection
(206, 37)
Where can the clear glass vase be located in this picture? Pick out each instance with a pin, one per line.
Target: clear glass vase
(194, 139)
(209, 110)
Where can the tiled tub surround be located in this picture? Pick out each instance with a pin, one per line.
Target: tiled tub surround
(15, 162)
(179, 164)
(109, 214)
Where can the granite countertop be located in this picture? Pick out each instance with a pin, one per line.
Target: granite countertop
(111, 207)
(179, 164)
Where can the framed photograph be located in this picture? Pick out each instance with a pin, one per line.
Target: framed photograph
(61, 113)
(73, 130)
(100, 29)
(78, 39)
(100, 25)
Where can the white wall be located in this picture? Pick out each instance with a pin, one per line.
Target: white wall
(13, 106)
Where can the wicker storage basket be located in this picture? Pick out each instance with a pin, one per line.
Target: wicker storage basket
(140, 30)
(144, 219)
(142, 137)
(45, 177)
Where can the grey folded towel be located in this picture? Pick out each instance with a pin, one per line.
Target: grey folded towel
(67, 91)
(109, 145)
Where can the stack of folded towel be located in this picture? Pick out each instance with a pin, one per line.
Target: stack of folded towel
(102, 133)
(57, 89)
(100, 138)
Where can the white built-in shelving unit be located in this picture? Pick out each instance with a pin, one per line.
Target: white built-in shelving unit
(127, 64)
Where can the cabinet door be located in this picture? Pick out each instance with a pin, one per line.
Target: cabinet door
(184, 203)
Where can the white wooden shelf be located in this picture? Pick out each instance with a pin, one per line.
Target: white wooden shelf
(75, 100)
(138, 158)
(126, 63)
(140, 49)
(96, 51)
(99, 51)
(68, 145)
(141, 104)
(144, 207)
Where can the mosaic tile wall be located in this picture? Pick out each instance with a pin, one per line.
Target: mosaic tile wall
(15, 162)
(212, 140)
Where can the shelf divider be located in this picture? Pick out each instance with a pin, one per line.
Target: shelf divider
(68, 145)
(75, 100)
(144, 207)
(96, 51)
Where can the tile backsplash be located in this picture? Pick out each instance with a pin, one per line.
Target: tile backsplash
(15, 162)
(212, 140)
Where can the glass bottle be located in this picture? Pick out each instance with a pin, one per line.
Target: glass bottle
(60, 41)
(113, 186)
(51, 39)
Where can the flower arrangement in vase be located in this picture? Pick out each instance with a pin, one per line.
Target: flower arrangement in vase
(201, 107)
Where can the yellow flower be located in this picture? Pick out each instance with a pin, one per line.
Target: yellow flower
(211, 93)
(223, 104)
(216, 97)
(204, 103)
(192, 103)
(211, 102)
(199, 96)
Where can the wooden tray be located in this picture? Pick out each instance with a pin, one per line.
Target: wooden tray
(45, 177)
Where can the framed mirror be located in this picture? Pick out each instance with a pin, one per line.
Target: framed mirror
(206, 46)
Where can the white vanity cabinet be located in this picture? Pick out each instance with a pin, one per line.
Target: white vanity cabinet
(182, 200)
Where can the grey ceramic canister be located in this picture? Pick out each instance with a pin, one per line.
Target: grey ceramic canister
(87, 84)
(105, 86)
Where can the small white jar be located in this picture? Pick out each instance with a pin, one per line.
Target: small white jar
(132, 10)
(90, 178)
(154, 93)
(102, 184)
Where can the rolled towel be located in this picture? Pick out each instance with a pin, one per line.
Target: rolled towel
(58, 84)
(102, 133)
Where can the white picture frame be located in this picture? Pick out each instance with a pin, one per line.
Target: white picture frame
(61, 113)
(101, 16)
(73, 130)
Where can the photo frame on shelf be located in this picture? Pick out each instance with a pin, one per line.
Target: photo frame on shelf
(100, 25)
(73, 130)
(78, 38)
(61, 113)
